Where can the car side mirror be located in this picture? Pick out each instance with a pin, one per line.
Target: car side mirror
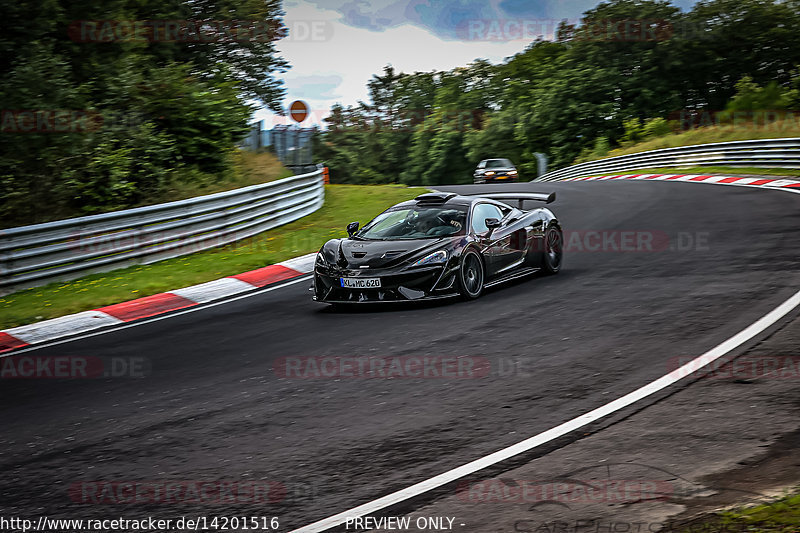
(492, 224)
(352, 228)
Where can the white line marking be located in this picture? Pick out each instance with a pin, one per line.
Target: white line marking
(744, 182)
(537, 440)
(127, 325)
(741, 184)
(796, 191)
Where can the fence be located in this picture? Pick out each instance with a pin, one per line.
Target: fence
(257, 137)
(67, 249)
(291, 144)
(755, 153)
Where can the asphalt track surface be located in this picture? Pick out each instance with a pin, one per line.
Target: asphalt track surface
(211, 406)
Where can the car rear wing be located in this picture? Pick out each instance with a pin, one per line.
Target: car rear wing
(519, 196)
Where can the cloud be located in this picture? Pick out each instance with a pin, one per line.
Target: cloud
(446, 19)
(441, 18)
(569, 9)
(361, 37)
(449, 19)
(337, 70)
(314, 86)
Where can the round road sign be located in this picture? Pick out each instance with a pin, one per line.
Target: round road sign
(298, 110)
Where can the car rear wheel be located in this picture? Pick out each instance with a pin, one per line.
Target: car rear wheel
(553, 250)
(471, 275)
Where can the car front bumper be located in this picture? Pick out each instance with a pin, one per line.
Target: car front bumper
(492, 179)
(396, 285)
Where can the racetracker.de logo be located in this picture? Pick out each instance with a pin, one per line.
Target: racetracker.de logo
(177, 492)
(405, 367)
(625, 30)
(503, 30)
(567, 491)
(198, 31)
(72, 367)
(615, 241)
(770, 119)
(601, 30)
(746, 367)
(50, 121)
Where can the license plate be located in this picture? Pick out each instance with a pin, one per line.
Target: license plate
(361, 283)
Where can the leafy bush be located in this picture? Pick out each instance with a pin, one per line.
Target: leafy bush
(656, 127)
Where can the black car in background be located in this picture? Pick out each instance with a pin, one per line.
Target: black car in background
(439, 245)
(492, 170)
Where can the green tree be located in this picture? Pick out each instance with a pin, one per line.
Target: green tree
(167, 111)
(614, 77)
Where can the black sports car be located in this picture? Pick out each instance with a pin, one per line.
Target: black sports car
(439, 245)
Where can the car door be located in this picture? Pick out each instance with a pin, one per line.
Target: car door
(501, 247)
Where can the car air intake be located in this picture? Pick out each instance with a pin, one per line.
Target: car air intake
(435, 197)
(411, 294)
(391, 254)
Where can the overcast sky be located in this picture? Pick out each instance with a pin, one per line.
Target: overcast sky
(335, 46)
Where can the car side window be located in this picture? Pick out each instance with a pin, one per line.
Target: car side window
(482, 164)
(480, 213)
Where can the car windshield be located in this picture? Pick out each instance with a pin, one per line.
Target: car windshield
(418, 222)
(498, 163)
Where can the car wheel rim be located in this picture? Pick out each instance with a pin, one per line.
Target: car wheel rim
(473, 274)
(554, 248)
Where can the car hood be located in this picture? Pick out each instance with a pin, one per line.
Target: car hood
(354, 253)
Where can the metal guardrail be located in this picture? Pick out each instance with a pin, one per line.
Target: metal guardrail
(66, 249)
(755, 153)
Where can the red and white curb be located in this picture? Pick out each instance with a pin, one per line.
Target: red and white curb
(766, 183)
(157, 304)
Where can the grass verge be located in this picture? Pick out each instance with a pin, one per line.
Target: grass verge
(714, 134)
(781, 516)
(249, 168)
(343, 204)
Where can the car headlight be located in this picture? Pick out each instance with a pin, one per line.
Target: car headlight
(432, 259)
(490, 173)
(512, 172)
